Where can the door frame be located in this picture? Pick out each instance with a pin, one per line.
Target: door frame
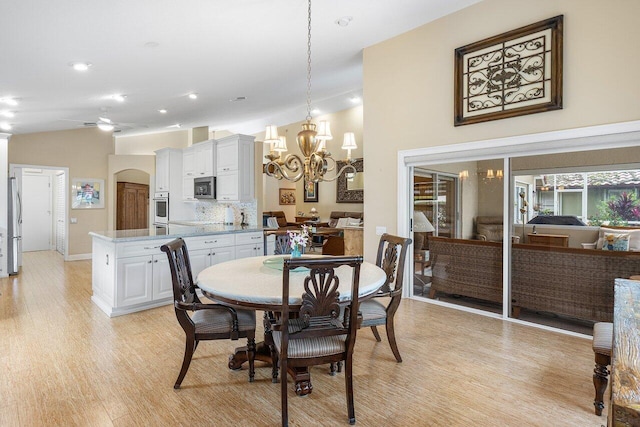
(617, 135)
(12, 171)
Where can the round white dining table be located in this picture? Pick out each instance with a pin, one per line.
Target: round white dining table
(249, 283)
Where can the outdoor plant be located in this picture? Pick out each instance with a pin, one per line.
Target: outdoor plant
(617, 210)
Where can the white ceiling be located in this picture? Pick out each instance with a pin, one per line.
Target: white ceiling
(219, 49)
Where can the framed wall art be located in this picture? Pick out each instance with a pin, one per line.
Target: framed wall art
(87, 193)
(515, 73)
(287, 196)
(310, 191)
(350, 186)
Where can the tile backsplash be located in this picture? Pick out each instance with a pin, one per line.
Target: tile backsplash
(215, 212)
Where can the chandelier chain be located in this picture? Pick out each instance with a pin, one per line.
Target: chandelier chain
(309, 64)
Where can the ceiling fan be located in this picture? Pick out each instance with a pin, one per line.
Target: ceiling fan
(105, 124)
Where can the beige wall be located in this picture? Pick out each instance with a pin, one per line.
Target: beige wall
(149, 143)
(84, 152)
(408, 85)
(343, 121)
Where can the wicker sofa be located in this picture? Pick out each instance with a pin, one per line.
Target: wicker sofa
(567, 281)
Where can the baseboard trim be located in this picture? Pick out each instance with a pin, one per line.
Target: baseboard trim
(78, 257)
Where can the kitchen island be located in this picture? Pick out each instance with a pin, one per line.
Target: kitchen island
(130, 273)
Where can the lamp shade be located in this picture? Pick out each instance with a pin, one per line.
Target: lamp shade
(349, 142)
(271, 134)
(420, 223)
(324, 131)
(281, 144)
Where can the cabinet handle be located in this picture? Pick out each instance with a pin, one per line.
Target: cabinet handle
(107, 259)
(213, 253)
(149, 261)
(211, 241)
(257, 237)
(151, 247)
(155, 260)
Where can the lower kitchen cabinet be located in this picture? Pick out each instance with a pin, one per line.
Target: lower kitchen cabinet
(143, 279)
(130, 275)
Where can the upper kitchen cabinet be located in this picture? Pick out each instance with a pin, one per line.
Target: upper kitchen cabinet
(163, 168)
(235, 168)
(198, 160)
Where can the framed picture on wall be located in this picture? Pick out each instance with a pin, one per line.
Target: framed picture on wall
(310, 191)
(512, 74)
(287, 196)
(87, 193)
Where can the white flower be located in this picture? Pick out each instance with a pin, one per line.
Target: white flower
(298, 238)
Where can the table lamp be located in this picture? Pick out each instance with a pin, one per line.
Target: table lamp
(421, 224)
(313, 212)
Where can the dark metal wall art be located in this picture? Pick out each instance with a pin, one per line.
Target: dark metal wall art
(512, 74)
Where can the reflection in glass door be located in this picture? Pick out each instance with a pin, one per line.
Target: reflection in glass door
(435, 214)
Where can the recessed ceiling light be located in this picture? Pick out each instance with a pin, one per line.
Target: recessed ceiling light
(5, 126)
(238, 98)
(81, 66)
(162, 111)
(177, 125)
(119, 97)
(193, 96)
(9, 101)
(344, 21)
(8, 114)
(355, 99)
(151, 45)
(315, 111)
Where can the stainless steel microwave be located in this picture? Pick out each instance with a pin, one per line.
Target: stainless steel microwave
(204, 188)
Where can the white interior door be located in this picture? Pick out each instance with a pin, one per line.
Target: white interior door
(36, 213)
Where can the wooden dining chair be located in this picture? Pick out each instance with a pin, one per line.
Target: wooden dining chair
(208, 321)
(315, 333)
(392, 252)
(283, 245)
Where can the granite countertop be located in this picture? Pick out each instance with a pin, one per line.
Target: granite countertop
(172, 231)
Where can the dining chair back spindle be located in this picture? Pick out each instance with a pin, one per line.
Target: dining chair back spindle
(392, 252)
(208, 321)
(315, 333)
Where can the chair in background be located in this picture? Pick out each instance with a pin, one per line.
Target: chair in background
(315, 333)
(602, 345)
(392, 251)
(208, 321)
(283, 245)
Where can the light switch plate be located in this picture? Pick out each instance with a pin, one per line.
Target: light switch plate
(380, 230)
(74, 220)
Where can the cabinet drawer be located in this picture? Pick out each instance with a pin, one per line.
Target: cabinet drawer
(149, 247)
(213, 241)
(249, 238)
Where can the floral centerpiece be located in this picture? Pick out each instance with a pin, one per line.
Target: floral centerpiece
(298, 240)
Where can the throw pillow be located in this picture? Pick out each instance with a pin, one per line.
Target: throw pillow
(616, 242)
(342, 222)
(634, 237)
(353, 222)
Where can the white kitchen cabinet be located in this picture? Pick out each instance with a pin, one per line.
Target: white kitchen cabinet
(163, 168)
(187, 189)
(189, 162)
(133, 274)
(235, 168)
(249, 245)
(205, 251)
(198, 160)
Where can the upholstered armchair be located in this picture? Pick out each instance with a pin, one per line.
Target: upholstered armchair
(489, 228)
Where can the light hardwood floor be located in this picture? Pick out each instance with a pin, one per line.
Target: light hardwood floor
(64, 362)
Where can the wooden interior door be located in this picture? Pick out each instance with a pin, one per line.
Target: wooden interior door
(132, 206)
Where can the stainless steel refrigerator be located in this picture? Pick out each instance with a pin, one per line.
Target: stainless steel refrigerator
(14, 240)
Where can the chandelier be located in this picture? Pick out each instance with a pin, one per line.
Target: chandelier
(317, 161)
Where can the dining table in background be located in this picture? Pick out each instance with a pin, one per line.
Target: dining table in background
(250, 283)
